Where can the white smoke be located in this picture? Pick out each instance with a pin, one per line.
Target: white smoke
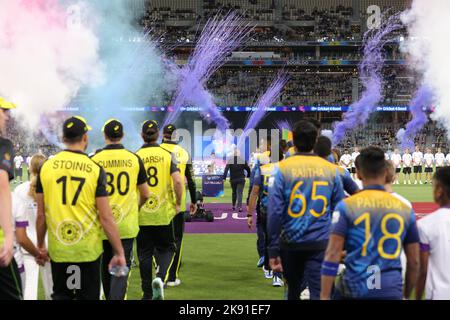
(428, 47)
(45, 58)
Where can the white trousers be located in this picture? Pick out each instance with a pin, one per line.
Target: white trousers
(32, 278)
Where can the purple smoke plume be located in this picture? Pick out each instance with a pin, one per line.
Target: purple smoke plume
(217, 41)
(283, 124)
(370, 75)
(421, 102)
(264, 102)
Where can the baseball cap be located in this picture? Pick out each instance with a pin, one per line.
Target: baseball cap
(150, 127)
(6, 105)
(113, 128)
(169, 129)
(75, 127)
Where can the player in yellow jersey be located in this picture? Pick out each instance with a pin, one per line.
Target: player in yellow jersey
(10, 284)
(73, 205)
(184, 163)
(156, 215)
(125, 179)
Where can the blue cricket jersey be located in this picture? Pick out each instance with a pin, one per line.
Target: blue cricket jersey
(375, 225)
(262, 179)
(302, 195)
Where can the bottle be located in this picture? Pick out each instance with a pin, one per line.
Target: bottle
(119, 271)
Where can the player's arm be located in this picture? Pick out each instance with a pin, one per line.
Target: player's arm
(225, 172)
(330, 265)
(142, 184)
(190, 178)
(6, 252)
(247, 169)
(349, 184)
(411, 246)
(107, 221)
(253, 197)
(338, 191)
(424, 256)
(275, 211)
(177, 185)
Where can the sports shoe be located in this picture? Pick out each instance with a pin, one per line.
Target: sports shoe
(268, 273)
(305, 294)
(277, 282)
(409, 182)
(415, 182)
(175, 283)
(421, 182)
(240, 209)
(260, 262)
(158, 289)
(233, 208)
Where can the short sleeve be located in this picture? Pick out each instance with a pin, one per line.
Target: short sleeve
(101, 185)
(142, 176)
(412, 234)
(173, 165)
(18, 210)
(6, 158)
(339, 222)
(424, 237)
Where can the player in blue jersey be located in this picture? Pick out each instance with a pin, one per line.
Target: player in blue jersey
(323, 150)
(372, 227)
(260, 192)
(302, 195)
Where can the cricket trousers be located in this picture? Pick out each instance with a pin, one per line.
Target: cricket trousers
(300, 267)
(260, 233)
(149, 240)
(76, 280)
(178, 227)
(115, 288)
(10, 282)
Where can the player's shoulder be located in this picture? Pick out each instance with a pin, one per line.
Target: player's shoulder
(402, 199)
(435, 218)
(22, 189)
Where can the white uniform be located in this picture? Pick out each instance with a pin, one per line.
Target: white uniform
(407, 160)
(386, 156)
(417, 158)
(447, 159)
(346, 160)
(354, 156)
(434, 232)
(429, 160)
(440, 159)
(25, 211)
(18, 160)
(396, 158)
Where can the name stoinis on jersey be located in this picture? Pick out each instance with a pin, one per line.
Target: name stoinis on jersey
(72, 165)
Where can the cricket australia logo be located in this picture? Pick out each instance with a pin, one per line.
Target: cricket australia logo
(69, 232)
(117, 213)
(153, 203)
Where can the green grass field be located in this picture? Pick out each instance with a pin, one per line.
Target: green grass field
(223, 266)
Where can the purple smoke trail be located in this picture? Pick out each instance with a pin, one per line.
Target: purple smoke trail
(370, 75)
(283, 124)
(421, 102)
(217, 41)
(264, 102)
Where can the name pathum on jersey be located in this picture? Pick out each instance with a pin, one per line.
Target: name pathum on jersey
(160, 208)
(375, 225)
(124, 172)
(70, 183)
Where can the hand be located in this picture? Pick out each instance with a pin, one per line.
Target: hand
(193, 208)
(343, 255)
(275, 264)
(250, 222)
(6, 253)
(42, 258)
(117, 260)
(177, 208)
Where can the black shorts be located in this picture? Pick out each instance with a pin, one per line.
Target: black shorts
(18, 172)
(428, 169)
(10, 282)
(397, 170)
(353, 170)
(417, 169)
(407, 170)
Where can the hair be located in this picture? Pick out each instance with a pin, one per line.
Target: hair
(167, 136)
(114, 140)
(36, 163)
(305, 136)
(315, 122)
(323, 147)
(442, 177)
(371, 162)
(390, 169)
(336, 154)
(73, 140)
(149, 138)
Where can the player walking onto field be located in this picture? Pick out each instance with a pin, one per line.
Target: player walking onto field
(73, 204)
(434, 232)
(125, 179)
(156, 215)
(184, 164)
(372, 226)
(407, 161)
(417, 164)
(10, 284)
(304, 192)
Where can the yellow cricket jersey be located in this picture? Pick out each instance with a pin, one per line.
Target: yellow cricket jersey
(124, 172)
(159, 209)
(70, 183)
(181, 158)
(6, 164)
